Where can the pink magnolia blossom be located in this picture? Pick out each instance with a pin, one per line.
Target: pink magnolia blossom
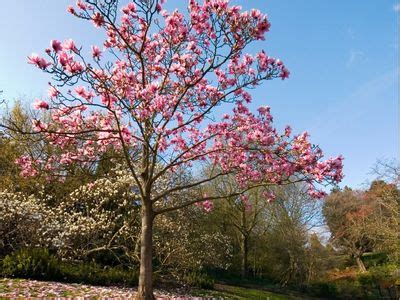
(208, 206)
(129, 9)
(52, 92)
(269, 196)
(39, 126)
(98, 19)
(56, 45)
(71, 9)
(40, 62)
(96, 52)
(27, 166)
(69, 63)
(40, 104)
(69, 45)
(81, 5)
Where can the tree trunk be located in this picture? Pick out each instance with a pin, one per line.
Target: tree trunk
(245, 254)
(360, 264)
(145, 288)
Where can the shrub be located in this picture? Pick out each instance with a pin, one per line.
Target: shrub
(379, 275)
(34, 263)
(92, 273)
(199, 279)
(374, 259)
(38, 263)
(24, 221)
(322, 289)
(350, 289)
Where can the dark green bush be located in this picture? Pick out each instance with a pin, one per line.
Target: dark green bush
(36, 263)
(198, 279)
(365, 287)
(375, 259)
(92, 273)
(350, 289)
(322, 289)
(378, 275)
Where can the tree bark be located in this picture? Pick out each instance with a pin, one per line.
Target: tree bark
(145, 288)
(360, 264)
(245, 254)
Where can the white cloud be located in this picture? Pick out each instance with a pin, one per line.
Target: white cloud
(354, 57)
(366, 93)
(351, 33)
(396, 7)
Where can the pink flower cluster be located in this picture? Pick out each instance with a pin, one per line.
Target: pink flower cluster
(241, 25)
(40, 62)
(40, 104)
(251, 146)
(160, 90)
(26, 164)
(207, 205)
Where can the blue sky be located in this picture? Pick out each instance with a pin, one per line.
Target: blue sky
(343, 57)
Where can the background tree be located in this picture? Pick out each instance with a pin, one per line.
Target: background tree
(243, 214)
(293, 214)
(384, 199)
(347, 220)
(322, 259)
(387, 170)
(185, 244)
(362, 222)
(150, 93)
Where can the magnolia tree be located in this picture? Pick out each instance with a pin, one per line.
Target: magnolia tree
(25, 221)
(99, 216)
(150, 92)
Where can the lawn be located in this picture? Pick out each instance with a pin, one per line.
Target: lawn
(15, 288)
(236, 292)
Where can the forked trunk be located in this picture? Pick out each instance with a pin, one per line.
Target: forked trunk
(360, 264)
(145, 288)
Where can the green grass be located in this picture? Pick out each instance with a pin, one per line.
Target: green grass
(221, 291)
(235, 292)
(211, 294)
